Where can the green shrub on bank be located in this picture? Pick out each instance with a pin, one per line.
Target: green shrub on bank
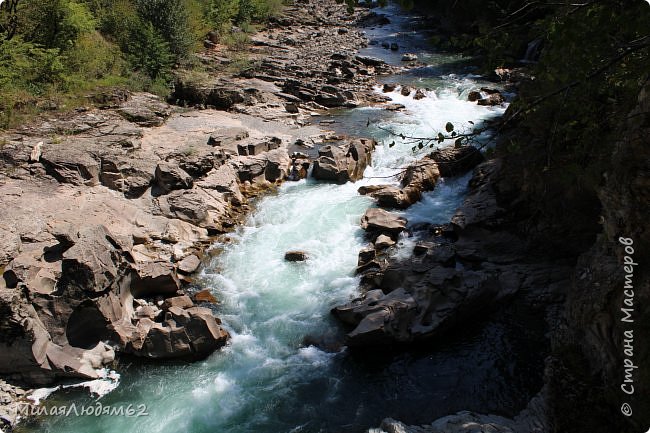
(223, 14)
(60, 50)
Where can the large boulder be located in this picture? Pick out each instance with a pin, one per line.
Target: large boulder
(186, 332)
(69, 164)
(278, 164)
(376, 316)
(126, 174)
(454, 161)
(169, 176)
(94, 263)
(295, 256)
(186, 205)
(345, 163)
(378, 221)
(189, 264)
(198, 162)
(419, 177)
(28, 353)
(154, 278)
(224, 181)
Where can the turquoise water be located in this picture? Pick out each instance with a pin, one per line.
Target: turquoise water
(269, 378)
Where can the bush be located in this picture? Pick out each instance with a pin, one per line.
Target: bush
(149, 52)
(55, 23)
(171, 19)
(93, 57)
(224, 13)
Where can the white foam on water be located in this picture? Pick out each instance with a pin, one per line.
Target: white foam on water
(40, 394)
(109, 380)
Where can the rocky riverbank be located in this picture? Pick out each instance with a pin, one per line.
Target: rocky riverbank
(107, 210)
(498, 247)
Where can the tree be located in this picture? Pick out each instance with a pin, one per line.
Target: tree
(8, 19)
(171, 20)
(66, 20)
(150, 52)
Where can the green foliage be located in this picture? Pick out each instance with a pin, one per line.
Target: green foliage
(171, 20)
(27, 66)
(236, 40)
(222, 13)
(55, 23)
(26, 71)
(150, 53)
(54, 52)
(226, 13)
(580, 123)
(93, 57)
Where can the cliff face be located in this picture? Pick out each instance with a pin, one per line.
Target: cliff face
(594, 345)
(596, 377)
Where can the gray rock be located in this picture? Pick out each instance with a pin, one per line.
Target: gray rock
(342, 164)
(379, 221)
(277, 165)
(331, 100)
(394, 107)
(384, 242)
(409, 57)
(126, 174)
(291, 107)
(227, 136)
(145, 110)
(189, 264)
(370, 61)
(181, 302)
(366, 255)
(186, 205)
(154, 278)
(224, 180)
(454, 161)
(296, 256)
(28, 352)
(419, 177)
(473, 96)
(215, 93)
(198, 162)
(94, 263)
(191, 333)
(71, 165)
(377, 317)
(492, 99)
(169, 176)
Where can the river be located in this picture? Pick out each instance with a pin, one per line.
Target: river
(269, 379)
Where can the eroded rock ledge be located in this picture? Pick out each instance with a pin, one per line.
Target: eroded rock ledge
(103, 221)
(455, 271)
(106, 211)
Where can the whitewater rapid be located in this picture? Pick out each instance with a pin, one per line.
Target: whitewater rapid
(269, 378)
